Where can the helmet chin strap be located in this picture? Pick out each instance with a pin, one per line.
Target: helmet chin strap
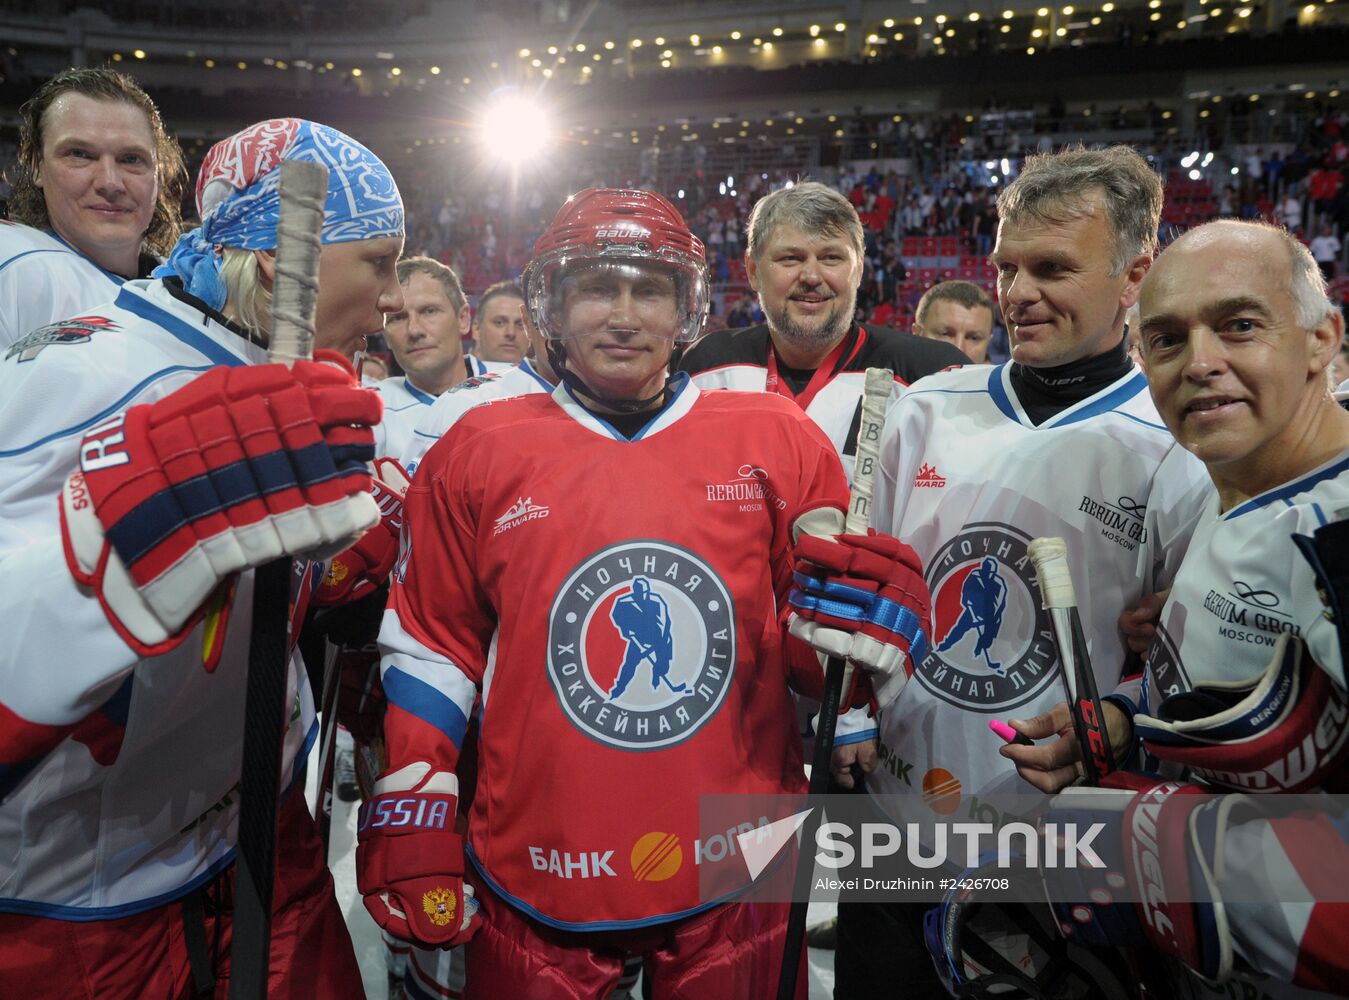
(557, 357)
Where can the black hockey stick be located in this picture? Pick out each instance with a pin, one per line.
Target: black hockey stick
(1050, 556)
(303, 188)
(327, 743)
(875, 393)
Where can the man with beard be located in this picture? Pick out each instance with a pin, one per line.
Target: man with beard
(804, 261)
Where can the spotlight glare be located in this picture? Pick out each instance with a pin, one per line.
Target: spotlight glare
(515, 130)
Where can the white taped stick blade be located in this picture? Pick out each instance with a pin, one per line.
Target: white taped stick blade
(1050, 556)
(875, 395)
(304, 188)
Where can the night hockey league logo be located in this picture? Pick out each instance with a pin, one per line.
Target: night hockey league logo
(992, 646)
(69, 331)
(641, 645)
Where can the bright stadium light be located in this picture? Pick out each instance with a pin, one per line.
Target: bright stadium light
(515, 129)
(1189, 160)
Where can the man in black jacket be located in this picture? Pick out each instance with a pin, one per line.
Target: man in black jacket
(804, 260)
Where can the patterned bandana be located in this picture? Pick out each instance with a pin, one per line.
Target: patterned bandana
(239, 202)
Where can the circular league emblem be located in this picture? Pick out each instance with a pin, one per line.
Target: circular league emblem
(992, 645)
(641, 645)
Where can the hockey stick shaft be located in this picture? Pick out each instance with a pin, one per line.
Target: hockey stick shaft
(303, 188)
(1050, 556)
(327, 743)
(875, 395)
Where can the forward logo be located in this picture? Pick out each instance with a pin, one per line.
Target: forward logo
(524, 509)
(929, 476)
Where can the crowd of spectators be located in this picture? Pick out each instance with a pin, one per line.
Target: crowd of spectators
(928, 210)
(935, 222)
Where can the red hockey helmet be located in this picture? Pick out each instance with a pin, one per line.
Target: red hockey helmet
(624, 227)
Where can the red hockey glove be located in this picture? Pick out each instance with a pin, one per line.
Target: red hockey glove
(365, 567)
(410, 862)
(863, 597)
(238, 467)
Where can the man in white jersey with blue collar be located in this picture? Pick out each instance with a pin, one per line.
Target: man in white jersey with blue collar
(95, 201)
(977, 462)
(1245, 682)
(131, 514)
(426, 338)
(533, 374)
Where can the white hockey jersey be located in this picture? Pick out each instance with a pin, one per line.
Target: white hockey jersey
(969, 481)
(44, 279)
(515, 380)
(403, 406)
(118, 775)
(1243, 584)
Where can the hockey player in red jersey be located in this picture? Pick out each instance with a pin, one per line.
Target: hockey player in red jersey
(623, 546)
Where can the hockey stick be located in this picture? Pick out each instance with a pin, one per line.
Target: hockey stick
(303, 189)
(875, 394)
(327, 743)
(1050, 556)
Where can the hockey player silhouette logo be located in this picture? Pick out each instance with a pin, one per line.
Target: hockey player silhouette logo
(983, 599)
(641, 644)
(994, 647)
(643, 619)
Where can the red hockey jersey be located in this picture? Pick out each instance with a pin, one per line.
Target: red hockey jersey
(628, 593)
